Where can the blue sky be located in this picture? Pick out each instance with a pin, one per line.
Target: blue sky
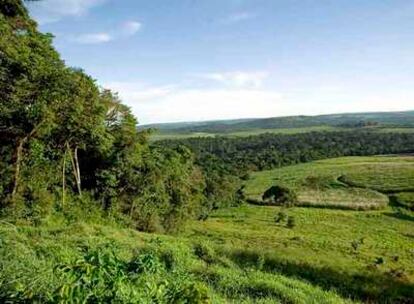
(187, 60)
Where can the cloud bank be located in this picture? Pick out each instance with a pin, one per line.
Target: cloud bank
(169, 103)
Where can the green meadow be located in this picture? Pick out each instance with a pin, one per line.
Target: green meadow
(347, 182)
(171, 134)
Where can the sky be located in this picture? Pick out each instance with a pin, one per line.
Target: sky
(191, 60)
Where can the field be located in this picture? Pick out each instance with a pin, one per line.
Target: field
(171, 134)
(348, 182)
(160, 135)
(245, 254)
(363, 254)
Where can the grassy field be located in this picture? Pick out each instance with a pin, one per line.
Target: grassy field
(360, 254)
(347, 182)
(161, 135)
(238, 255)
(245, 254)
(50, 265)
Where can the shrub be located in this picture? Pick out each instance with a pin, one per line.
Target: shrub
(204, 252)
(280, 217)
(278, 195)
(291, 223)
(356, 244)
(96, 277)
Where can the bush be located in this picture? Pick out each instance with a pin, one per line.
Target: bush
(291, 223)
(204, 252)
(280, 217)
(278, 195)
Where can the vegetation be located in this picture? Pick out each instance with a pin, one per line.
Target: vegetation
(395, 122)
(267, 151)
(348, 182)
(403, 199)
(277, 195)
(320, 248)
(65, 140)
(307, 255)
(92, 211)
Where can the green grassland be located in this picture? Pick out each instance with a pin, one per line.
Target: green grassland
(173, 134)
(239, 255)
(100, 261)
(320, 248)
(347, 182)
(160, 135)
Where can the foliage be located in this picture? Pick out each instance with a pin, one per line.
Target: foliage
(119, 265)
(268, 151)
(291, 223)
(403, 199)
(280, 217)
(279, 195)
(65, 139)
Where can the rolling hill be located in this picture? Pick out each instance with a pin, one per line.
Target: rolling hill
(283, 124)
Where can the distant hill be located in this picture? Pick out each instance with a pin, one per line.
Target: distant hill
(254, 125)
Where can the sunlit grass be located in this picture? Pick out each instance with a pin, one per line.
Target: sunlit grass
(321, 183)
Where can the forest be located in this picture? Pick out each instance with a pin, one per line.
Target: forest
(267, 151)
(67, 143)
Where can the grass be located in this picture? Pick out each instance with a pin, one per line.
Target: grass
(403, 199)
(237, 255)
(397, 130)
(162, 135)
(92, 263)
(333, 249)
(159, 135)
(346, 182)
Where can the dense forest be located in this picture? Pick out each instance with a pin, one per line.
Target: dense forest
(267, 151)
(69, 144)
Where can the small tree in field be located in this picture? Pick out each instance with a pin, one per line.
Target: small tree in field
(291, 223)
(278, 195)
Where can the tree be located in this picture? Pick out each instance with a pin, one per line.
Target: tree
(279, 195)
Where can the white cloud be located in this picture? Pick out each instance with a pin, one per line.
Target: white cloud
(238, 79)
(130, 28)
(47, 11)
(238, 17)
(93, 38)
(127, 29)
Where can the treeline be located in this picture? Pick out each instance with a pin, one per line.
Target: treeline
(267, 151)
(71, 148)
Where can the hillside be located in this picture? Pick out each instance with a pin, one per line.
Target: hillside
(244, 254)
(290, 124)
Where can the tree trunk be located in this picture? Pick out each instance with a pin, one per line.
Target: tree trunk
(19, 156)
(78, 171)
(75, 167)
(64, 179)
